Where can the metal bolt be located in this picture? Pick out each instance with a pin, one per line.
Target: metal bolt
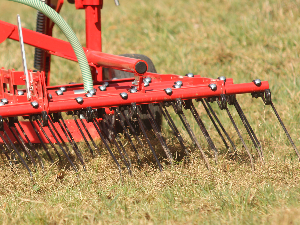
(102, 88)
(1, 104)
(89, 95)
(134, 82)
(63, 89)
(20, 92)
(4, 100)
(177, 86)
(213, 87)
(106, 84)
(115, 78)
(190, 75)
(133, 90)
(178, 82)
(257, 82)
(124, 95)
(92, 91)
(222, 78)
(79, 100)
(35, 104)
(168, 91)
(59, 92)
(146, 84)
(147, 80)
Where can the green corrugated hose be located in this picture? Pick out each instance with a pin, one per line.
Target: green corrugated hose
(66, 29)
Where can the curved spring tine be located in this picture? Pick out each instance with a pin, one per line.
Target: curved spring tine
(118, 145)
(214, 123)
(142, 126)
(63, 150)
(240, 136)
(172, 125)
(128, 136)
(220, 124)
(82, 134)
(249, 130)
(159, 135)
(22, 144)
(204, 130)
(30, 144)
(71, 141)
(39, 137)
(11, 152)
(48, 139)
(58, 134)
(285, 130)
(193, 137)
(5, 153)
(107, 146)
(90, 136)
(136, 136)
(16, 150)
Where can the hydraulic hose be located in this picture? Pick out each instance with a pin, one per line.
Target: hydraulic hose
(69, 33)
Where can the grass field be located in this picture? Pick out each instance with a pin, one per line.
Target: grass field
(234, 38)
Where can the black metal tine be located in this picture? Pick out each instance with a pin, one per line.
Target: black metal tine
(136, 136)
(15, 150)
(128, 136)
(48, 139)
(250, 128)
(118, 145)
(82, 134)
(29, 142)
(24, 147)
(246, 125)
(172, 125)
(12, 155)
(159, 135)
(142, 126)
(193, 137)
(240, 136)
(5, 153)
(71, 141)
(214, 123)
(39, 137)
(90, 136)
(220, 124)
(204, 130)
(58, 134)
(285, 130)
(63, 150)
(107, 146)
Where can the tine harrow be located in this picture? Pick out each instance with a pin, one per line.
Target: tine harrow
(103, 108)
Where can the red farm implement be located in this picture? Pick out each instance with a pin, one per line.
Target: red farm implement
(101, 107)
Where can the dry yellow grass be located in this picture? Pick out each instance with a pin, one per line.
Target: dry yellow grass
(239, 39)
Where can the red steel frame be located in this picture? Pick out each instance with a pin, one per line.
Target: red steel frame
(193, 88)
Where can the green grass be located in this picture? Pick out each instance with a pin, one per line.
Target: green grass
(240, 39)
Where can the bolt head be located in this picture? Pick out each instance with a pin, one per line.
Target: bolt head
(133, 90)
(115, 78)
(147, 80)
(257, 82)
(134, 82)
(92, 91)
(63, 89)
(102, 88)
(168, 91)
(190, 75)
(59, 92)
(222, 78)
(177, 86)
(79, 100)
(20, 93)
(50, 96)
(178, 82)
(89, 95)
(146, 84)
(106, 84)
(4, 100)
(1, 104)
(124, 95)
(35, 104)
(213, 87)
